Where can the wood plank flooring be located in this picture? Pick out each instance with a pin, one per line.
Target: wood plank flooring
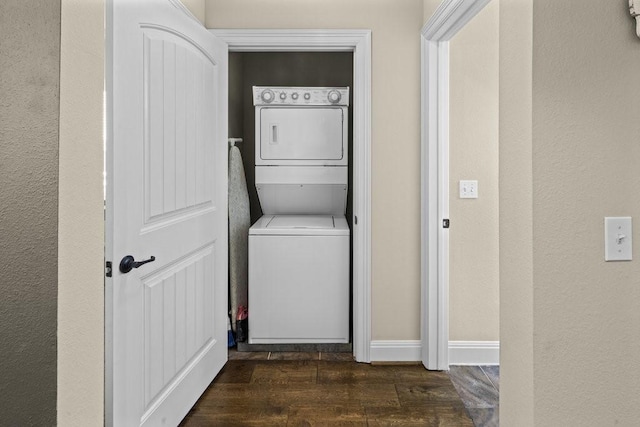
(327, 392)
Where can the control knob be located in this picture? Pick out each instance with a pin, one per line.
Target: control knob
(283, 95)
(334, 96)
(267, 95)
(307, 96)
(294, 95)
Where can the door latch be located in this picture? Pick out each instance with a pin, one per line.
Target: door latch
(108, 269)
(128, 263)
(445, 223)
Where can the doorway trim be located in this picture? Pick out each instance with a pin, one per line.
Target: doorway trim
(449, 18)
(358, 42)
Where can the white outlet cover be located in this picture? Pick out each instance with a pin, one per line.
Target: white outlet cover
(617, 239)
(468, 189)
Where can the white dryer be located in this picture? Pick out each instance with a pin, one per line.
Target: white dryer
(299, 249)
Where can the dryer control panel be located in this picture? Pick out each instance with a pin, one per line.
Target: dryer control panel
(278, 95)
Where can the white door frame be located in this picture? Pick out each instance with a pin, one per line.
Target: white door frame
(450, 17)
(358, 42)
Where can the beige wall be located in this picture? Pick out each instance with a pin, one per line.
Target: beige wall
(473, 154)
(81, 216)
(29, 88)
(586, 165)
(474, 282)
(196, 7)
(395, 135)
(428, 7)
(516, 216)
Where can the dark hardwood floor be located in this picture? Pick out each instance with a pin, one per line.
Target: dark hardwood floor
(325, 390)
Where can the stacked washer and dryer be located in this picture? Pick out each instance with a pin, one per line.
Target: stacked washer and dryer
(299, 249)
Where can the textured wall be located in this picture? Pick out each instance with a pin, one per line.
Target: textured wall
(81, 216)
(516, 216)
(29, 89)
(395, 135)
(473, 154)
(586, 165)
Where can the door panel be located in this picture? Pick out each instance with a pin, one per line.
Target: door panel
(177, 153)
(166, 197)
(178, 320)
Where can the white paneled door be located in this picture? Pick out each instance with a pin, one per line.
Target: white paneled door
(166, 199)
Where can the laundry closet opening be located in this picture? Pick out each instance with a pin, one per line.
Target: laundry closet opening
(284, 69)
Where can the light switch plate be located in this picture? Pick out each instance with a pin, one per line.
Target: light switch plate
(469, 189)
(617, 239)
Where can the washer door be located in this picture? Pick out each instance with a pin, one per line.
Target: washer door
(311, 135)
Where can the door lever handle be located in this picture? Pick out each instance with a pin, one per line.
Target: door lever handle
(128, 263)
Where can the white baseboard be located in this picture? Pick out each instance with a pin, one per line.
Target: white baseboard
(474, 352)
(460, 352)
(396, 351)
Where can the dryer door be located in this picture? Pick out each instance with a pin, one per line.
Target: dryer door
(301, 136)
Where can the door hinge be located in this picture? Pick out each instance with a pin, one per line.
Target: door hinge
(445, 223)
(356, 219)
(108, 269)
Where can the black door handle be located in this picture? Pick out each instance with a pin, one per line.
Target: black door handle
(128, 263)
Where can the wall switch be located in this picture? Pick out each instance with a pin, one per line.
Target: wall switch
(469, 189)
(617, 239)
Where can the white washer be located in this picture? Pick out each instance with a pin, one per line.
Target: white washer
(299, 279)
(299, 250)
